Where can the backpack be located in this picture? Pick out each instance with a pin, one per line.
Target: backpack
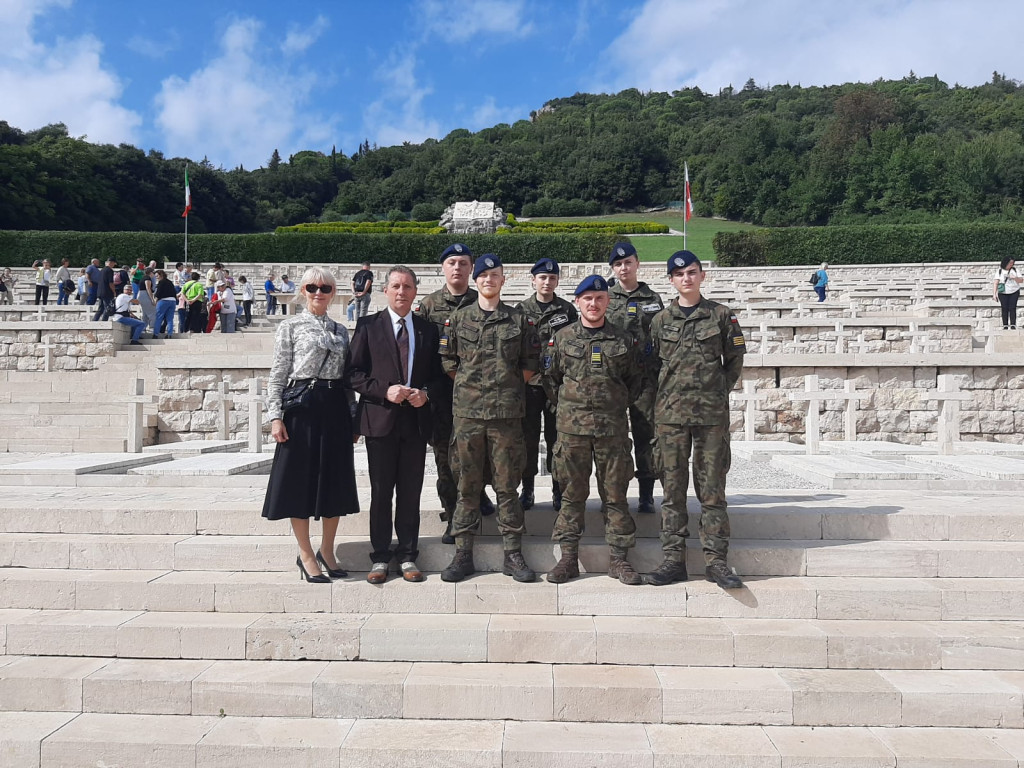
(814, 278)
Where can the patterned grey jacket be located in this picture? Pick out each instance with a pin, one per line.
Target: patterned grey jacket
(307, 346)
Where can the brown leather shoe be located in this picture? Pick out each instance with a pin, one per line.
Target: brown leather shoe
(410, 572)
(378, 574)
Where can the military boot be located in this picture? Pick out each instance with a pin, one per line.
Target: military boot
(646, 505)
(516, 567)
(556, 496)
(526, 497)
(619, 568)
(720, 573)
(446, 537)
(460, 567)
(568, 567)
(666, 573)
(486, 505)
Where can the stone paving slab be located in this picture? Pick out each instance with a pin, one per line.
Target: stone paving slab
(853, 468)
(208, 465)
(81, 464)
(876, 448)
(196, 447)
(994, 467)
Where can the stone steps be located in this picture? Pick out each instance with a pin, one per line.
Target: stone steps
(517, 639)
(750, 557)
(778, 597)
(67, 740)
(567, 693)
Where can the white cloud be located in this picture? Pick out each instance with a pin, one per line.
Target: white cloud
(153, 48)
(460, 21)
(672, 44)
(299, 38)
(398, 115)
(63, 83)
(489, 114)
(240, 106)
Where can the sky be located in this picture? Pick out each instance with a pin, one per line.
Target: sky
(232, 81)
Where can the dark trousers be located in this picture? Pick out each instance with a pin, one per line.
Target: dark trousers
(42, 292)
(396, 472)
(106, 308)
(247, 308)
(536, 411)
(1008, 305)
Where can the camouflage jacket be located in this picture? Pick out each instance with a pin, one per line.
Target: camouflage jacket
(548, 320)
(592, 377)
(488, 355)
(633, 311)
(699, 360)
(437, 308)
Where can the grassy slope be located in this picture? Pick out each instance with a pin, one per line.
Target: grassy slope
(699, 233)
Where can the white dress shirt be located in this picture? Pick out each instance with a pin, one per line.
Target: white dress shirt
(395, 317)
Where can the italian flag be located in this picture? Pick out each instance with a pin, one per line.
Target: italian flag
(188, 197)
(687, 203)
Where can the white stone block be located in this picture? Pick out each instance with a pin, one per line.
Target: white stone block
(878, 599)
(762, 598)
(289, 637)
(955, 698)
(613, 694)
(266, 592)
(831, 747)
(267, 742)
(881, 645)
(576, 745)
(37, 588)
(490, 691)
(424, 744)
(256, 688)
(496, 593)
(423, 637)
(778, 643)
(721, 746)
(67, 633)
(980, 644)
(360, 689)
(725, 696)
(142, 687)
(687, 642)
(45, 684)
(596, 594)
(22, 732)
(542, 639)
(185, 635)
(394, 596)
(842, 697)
(943, 748)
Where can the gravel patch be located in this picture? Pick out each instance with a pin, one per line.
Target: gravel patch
(761, 474)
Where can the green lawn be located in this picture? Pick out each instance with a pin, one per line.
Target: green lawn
(699, 233)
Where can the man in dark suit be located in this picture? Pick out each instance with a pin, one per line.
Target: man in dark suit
(394, 362)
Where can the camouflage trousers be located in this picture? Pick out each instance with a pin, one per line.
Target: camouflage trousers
(447, 485)
(712, 457)
(497, 445)
(536, 412)
(641, 426)
(612, 460)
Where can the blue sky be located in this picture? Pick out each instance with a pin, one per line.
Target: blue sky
(233, 81)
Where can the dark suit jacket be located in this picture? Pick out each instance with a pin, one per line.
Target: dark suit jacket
(374, 366)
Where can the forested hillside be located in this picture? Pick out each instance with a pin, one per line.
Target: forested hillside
(910, 150)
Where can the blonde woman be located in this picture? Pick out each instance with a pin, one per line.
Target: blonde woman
(313, 475)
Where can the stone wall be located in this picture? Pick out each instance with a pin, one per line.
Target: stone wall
(76, 345)
(895, 410)
(188, 400)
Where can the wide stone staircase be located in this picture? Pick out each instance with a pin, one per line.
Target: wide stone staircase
(152, 619)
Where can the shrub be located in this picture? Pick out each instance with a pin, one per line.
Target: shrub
(427, 211)
(868, 244)
(397, 215)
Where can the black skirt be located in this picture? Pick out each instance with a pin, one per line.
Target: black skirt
(313, 474)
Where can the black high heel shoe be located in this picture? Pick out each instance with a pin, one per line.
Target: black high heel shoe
(321, 579)
(334, 573)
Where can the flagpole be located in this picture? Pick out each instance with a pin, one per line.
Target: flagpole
(686, 200)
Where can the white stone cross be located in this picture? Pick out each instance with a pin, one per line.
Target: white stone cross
(48, 350)
(948, 393)
(853, 397)
(814, 396)
(255, 400)
(801, 310)
(988, 333)
(915, 333)
(854, 308)
(860, 346)
(224, 402)
(840, 336)
(40, 313)
(750, 397)
(762, 336)
(136, 400)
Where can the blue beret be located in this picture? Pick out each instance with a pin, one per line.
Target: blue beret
(592, 283)
(485, 262)
(621, 251)
(545, 267)
(681, 259)
(457, 249)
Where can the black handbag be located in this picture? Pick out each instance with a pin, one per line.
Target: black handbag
(298, 393)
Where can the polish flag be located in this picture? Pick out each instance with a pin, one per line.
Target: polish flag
(688, 202)
(188, 196)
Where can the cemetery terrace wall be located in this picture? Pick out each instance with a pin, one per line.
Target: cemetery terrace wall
(75, 346)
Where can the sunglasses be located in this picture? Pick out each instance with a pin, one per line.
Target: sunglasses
(322, 288)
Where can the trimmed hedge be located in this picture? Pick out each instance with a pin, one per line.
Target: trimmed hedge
(612, 227)
(370, 227)
(868, 244)
(21, 248)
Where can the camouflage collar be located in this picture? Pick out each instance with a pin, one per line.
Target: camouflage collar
(703, 310)
(458, 301)
(642, 290)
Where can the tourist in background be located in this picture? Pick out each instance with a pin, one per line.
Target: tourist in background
(166, 301)
(362, 287)
(228, 307)
(212, 276)
(698, 354)
(1006, 290)
(83, 287)
(63, 277)
(42, 281)
(195, 298)
(270, 289)
(213, 306)
(247, 299)
(105, 291)
(143, 291)
(180, 276)
(93, 272)
(288, 287)
(313, 474)
(138, 275)
(7, 281)
(123, 313)
(821, 282)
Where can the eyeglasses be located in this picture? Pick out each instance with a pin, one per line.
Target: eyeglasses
(322, 288)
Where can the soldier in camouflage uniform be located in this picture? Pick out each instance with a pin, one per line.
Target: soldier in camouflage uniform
(549, 314)
(457, 264)
(490, 350)
(699, 348)
(633, 305)
(592, 372)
